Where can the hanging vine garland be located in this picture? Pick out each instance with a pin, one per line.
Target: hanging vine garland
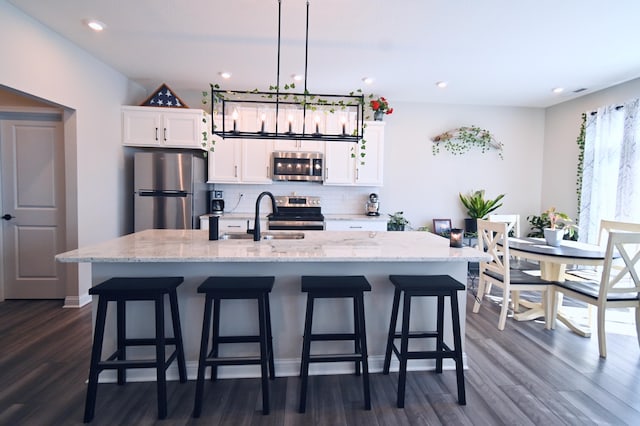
(459, 141)
(580, 141)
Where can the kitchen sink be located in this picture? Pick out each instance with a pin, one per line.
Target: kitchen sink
(263, 236)
(282, 235)
(236, 236)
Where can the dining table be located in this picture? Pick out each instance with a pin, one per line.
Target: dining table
(553, 267)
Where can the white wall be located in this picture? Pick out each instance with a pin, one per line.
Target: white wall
(561, 151)
(425, 186)
(39, 62)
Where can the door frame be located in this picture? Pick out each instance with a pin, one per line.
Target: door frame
(73, 298)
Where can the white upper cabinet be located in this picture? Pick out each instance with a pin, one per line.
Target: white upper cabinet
(339, 167)
(256, 161)
(344, 164)
(162, 127)
(224, 161)
(239, 160)
(369, 169)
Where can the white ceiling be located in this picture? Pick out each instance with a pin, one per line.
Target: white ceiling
(491, 52)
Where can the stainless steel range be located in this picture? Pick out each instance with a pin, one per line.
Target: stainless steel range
(297, 212)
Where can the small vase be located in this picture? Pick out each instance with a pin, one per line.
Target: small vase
(553, 237)
(377, 115)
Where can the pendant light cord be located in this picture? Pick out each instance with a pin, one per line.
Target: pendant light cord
(278, 70)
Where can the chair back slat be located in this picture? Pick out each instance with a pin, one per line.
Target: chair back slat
(492, 238)
(512, 220)
(607, 226)
(623, 276)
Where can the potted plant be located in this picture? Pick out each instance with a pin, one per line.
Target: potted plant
(559, 225)
(380, 107)
(478, 208)
(396, 222)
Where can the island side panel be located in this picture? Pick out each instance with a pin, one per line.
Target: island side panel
(288, 305)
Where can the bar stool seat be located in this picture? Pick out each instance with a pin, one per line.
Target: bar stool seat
(122, 290)
(438, 286)
(216, 289)
(325, 287)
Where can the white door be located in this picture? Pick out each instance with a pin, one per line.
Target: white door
(32, 208)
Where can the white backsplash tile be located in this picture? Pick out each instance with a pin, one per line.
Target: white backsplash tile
(335, 199)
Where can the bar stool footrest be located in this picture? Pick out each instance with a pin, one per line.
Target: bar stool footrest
(238, 339)
(235, 360)
(417, 335)
(335, 357)
(332, 336)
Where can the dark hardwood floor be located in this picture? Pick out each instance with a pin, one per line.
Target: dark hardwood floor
(523, 375)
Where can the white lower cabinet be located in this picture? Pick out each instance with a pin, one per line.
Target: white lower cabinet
(355, 225)
(232, 225)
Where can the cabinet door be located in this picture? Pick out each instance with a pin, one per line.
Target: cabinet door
(182, 129)
(256, 160)
(224, 161)
(339, 165)
(141, 127)
(369, 169)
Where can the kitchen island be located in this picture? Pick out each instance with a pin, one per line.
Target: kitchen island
(189, 253)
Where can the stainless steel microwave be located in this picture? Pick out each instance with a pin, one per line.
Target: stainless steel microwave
(297, 166)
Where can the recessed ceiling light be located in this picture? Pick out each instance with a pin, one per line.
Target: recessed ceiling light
(367, 80)
(296, 77)
(95, 25)
(442, 84)
(225, 74)
(557, 90)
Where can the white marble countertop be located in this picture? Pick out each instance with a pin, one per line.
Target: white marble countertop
(161, 245)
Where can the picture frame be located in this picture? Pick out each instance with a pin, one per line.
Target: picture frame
(441, 226)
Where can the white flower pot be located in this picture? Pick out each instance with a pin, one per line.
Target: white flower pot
(553, 237)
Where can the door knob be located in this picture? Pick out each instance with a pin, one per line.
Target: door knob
(7, 217)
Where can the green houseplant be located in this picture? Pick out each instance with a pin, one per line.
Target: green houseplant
(555, 226)
(478, 208)
(397, 222)
(542, 222)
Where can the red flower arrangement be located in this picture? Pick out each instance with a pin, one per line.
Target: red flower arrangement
(381, 105)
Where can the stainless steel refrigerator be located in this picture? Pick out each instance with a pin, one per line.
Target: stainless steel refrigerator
(169, 190)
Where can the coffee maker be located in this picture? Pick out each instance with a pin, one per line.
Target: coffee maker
(217, 203)
(373, 205)
(217, 206)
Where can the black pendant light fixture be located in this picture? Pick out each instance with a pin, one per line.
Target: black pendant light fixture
(278, 114)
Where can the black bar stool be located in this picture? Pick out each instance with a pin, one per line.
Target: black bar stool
(216, 289)
(438, 286)
(330, 287)
(122, 290)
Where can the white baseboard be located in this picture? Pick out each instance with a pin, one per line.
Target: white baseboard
(77, 301)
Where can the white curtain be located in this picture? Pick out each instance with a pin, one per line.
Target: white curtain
(611, 169)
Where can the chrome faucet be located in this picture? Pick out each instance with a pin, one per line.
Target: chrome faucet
(256, 223)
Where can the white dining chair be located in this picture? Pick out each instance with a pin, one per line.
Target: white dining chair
(492, 238)
(618, 286)
(513, 221)
(594, 273)
(513, 230)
